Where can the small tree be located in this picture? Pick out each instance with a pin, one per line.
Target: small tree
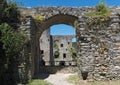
(12, 43)
(9, 12)
(12, 40)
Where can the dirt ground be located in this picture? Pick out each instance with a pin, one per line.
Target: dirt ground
(59, 78)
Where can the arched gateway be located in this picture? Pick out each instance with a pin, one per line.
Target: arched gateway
(57, 19)
(90, 61)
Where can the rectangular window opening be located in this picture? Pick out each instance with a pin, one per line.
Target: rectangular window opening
(64, 55)
(61, 45)
(42, 51)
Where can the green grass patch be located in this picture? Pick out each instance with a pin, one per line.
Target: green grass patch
(77, 81)
(39, 82)
(73, 79)
(117, 82)
(98, 14)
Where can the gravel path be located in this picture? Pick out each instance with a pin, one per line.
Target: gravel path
(59, 79)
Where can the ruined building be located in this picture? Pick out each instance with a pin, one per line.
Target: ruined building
(99, 56)
(55, 49)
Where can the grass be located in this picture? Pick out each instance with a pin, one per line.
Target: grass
(39, 82)
(75, 80)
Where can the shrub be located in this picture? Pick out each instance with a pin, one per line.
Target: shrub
(39, 18)
(73, 53)
(56, 54)
(11, 43)
(12, 40)
(100, 16)
(9, 13)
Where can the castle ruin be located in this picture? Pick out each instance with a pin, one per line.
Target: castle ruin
(55, 49)
(97, 63)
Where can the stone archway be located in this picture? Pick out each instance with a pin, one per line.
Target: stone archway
(90, 60)
(57, 19)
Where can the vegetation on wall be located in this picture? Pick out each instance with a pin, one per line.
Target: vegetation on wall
(73, 53)
(39, 17)
(56, 53)
(103, 48)
(100, 15)
(97, 21)
(76, 25)
(55, 45)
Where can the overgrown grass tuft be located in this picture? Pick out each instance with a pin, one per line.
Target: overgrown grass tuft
(39, 82)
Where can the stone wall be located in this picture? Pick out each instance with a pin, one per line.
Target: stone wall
(49, 44)
(63, 44)
(91, 60)
(45, 47)
(59, 69)
(24, 60)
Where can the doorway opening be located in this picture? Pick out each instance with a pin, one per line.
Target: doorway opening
(56, 43)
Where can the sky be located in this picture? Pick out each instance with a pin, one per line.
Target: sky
(75, 3)
(64, 29)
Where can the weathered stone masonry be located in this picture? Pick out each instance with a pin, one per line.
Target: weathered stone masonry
(98, 66)
(55, 49)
